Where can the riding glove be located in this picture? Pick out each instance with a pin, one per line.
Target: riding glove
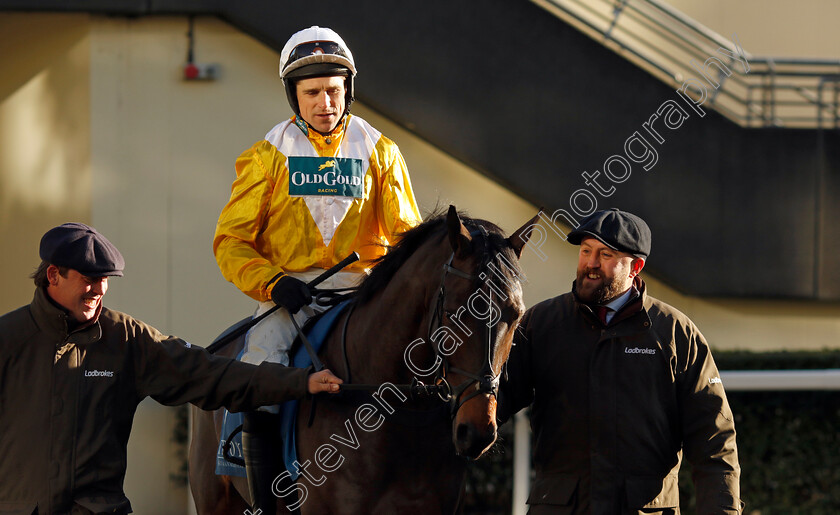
(291, 293)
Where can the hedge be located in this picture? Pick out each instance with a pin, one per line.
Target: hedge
(788, 446)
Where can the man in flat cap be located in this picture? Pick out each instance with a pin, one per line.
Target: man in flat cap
(620, 385)
(72, 373)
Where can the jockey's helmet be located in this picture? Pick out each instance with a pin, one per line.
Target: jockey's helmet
(316, 52)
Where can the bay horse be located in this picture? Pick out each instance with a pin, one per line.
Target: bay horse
(436, 315)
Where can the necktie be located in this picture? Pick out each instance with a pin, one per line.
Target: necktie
(602, 311)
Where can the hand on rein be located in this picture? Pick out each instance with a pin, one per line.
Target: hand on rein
(324, 381)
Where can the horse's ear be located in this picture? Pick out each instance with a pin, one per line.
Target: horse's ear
(459, 236)
(519, 238)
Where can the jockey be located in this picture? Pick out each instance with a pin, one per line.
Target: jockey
(317, 187)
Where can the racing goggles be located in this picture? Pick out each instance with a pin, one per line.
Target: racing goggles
(316, 48)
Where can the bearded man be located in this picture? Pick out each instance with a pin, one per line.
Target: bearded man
(620, 385)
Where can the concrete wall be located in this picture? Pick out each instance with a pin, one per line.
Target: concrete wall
(45, 176)
(773, 28)
(97, 126)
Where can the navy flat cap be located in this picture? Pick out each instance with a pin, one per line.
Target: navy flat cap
(618, 230)
(83, 249)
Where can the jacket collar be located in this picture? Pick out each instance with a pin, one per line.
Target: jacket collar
(53, 319)
(634, 305)
(324, 143)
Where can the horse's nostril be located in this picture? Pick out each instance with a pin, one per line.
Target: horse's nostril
(463, 433)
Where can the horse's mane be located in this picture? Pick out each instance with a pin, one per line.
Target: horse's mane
(387, 265)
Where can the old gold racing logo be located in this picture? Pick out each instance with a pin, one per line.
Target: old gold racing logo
(321, 176)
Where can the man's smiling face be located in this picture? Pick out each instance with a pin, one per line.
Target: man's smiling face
(603, 273)
(79, 294)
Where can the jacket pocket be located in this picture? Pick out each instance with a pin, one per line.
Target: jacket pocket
(116, 504)
(554, 489)
(652, 493)
(18, 507)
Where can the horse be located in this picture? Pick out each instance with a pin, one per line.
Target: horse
(421, 350)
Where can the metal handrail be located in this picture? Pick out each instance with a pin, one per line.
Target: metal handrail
(785, 380)
(791, 90)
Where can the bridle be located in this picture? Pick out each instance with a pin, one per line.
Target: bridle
(485, 380)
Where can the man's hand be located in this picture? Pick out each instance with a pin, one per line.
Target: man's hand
(324, 381)
(291, 293)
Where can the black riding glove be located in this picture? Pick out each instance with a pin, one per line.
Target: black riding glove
(291, 293)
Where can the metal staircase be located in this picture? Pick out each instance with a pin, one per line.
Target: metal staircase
(773, 92)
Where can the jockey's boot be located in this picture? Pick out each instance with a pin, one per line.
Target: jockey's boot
(262, 450)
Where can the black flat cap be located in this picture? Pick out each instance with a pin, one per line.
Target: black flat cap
(618, 230)
(83, 249)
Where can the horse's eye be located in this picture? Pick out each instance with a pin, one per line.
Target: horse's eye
(448, 314)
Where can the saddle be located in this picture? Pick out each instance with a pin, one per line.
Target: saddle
(316, 330)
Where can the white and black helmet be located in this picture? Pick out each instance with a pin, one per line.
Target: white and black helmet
(316, 52)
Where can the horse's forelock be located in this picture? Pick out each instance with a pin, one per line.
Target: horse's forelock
(498, 251)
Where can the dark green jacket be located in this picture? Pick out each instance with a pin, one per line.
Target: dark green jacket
(67, 401)
(614, 407)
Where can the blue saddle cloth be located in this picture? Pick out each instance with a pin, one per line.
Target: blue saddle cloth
(316, 334)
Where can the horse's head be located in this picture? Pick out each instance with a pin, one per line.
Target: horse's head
(478, 305)
(467, 274)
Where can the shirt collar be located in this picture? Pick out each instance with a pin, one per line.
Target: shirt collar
(618, 302)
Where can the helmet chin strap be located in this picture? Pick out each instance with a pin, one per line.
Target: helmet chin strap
(326, 134)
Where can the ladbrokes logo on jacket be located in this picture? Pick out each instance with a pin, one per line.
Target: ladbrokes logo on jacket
(99, 373)
(638, 350)
(336, 176)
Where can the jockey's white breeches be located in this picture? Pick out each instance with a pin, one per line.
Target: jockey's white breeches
(271, 339)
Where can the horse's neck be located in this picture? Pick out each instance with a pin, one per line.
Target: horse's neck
(388, 323)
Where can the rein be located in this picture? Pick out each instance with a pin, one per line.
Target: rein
(325, 297)
(415, 390)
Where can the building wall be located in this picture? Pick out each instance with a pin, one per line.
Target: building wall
(772, 28)
(97, 126)
(45, 176)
